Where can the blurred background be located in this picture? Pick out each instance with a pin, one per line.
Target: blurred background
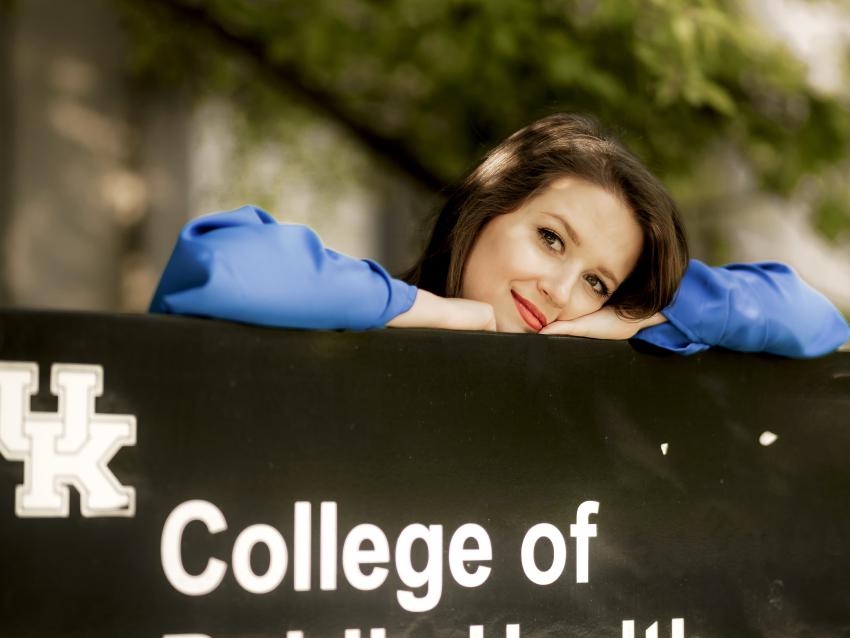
(120, 120)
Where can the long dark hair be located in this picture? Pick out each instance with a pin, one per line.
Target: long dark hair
(524, 165)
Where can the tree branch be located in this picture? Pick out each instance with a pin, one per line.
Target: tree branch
(289, 77)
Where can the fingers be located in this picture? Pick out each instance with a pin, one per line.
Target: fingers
(602, 324)
(572, 328)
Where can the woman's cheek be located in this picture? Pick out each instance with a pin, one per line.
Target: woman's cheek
(528, 262)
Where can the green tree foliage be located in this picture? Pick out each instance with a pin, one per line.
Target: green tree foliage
(430, 84)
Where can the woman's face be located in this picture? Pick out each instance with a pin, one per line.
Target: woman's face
(559, 256)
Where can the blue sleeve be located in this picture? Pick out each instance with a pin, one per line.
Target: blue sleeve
(761, 307)
(244, 266)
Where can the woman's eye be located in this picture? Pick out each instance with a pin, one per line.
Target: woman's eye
(598, 285)
(551, 239)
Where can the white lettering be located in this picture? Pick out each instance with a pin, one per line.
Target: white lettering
(559, 547)
(432, 575)
(327, 547)
(172, 538)
(301, 547)
(477, 631)
(366, 554)
(70, 447)
(677, 629)
(459, 554)
(278, 558)
(353, 556)
(582, 531)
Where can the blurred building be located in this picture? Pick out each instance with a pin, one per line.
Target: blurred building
(89, 160)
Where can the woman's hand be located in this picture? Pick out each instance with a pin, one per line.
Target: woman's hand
(602, 324)
(432, 311)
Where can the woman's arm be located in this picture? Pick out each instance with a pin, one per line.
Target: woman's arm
(432, 311)
(244, 266)
(762, 307)
(605, 323)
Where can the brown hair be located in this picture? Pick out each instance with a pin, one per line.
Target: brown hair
(526, 163)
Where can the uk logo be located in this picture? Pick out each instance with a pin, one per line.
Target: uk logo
(71, 447)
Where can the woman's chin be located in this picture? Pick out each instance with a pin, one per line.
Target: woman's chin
(506, 325)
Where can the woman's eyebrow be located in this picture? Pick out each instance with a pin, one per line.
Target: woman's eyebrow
(570, 230)
(577, 241)
(607, 273)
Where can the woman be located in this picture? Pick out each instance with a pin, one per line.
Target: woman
(559, 230)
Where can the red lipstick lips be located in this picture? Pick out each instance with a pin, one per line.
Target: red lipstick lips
(529, 312)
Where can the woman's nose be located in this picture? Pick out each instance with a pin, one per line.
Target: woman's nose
(558, 288)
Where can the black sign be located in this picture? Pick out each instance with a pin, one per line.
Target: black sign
(207, 478)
